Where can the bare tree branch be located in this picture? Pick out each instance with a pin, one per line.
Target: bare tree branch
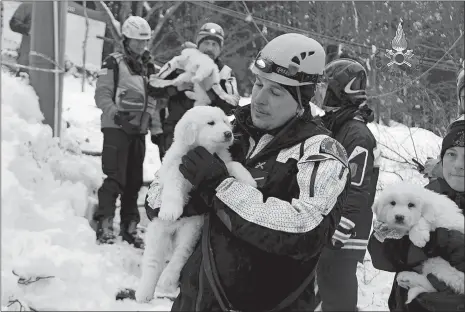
(139, 8)
(112, 23)
(153, 9)
(232, 49)
(84, 47)
(125, 11)
(161, 22)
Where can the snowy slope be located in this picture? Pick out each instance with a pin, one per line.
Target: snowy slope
(46, 189)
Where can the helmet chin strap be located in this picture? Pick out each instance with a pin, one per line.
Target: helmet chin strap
(300, 109)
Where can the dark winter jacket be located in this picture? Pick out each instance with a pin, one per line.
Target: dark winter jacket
(122, 86)
(264, 243)
(397, 255)
(20, 22)
(179, 103)
(361, 147)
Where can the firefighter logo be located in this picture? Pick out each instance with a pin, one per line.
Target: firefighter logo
(399, 44)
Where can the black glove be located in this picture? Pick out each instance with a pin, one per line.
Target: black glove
(157, 139)
(123, 119)
(202, 169)
(449, 245)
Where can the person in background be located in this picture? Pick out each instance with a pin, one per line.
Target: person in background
(210, 40)
(346, 116)
(20, 23)
(389, 253)
(260, 246)
(432, 168)
(128, 111)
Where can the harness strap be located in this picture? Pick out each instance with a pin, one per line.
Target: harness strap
(213, 278)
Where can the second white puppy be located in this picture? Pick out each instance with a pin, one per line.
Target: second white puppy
(200, 126)
(411, 209)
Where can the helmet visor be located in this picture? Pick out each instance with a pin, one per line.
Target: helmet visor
(268, 66)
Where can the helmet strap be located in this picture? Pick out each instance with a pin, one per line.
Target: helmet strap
(301, 109)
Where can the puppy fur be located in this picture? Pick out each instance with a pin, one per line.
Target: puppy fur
(200, 126)
(416, 211)
(202, 72)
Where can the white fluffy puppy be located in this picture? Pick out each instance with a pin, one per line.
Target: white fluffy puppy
(200, 126)
(201, 71)
(411, 209)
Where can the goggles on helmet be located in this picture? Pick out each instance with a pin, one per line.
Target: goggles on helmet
(268, 66)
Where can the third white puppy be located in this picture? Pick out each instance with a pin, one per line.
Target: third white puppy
(200, 126)
(416, 211)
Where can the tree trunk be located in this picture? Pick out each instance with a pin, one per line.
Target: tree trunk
(125, 11)
(139, 8)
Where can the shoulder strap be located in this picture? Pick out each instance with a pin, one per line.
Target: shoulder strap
(118, 57)
(214, 281)
(210, 269)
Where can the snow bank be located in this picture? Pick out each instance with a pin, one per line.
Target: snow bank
(46, 189)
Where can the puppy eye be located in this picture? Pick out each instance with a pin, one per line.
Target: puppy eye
(410, 205)
(393, 203)
(211, 123)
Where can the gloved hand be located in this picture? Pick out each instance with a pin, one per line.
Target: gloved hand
(123, 120)
(202, 169)
(158, 140)
(449, 245)
(344, 231)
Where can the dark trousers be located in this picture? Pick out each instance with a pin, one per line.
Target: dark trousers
(337, 281)
(122, 161)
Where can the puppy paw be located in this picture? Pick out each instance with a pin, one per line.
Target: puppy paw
(168, 284)
(170, 212)
(419, 238)
(143, 295)
(240, 173)
(404, 279)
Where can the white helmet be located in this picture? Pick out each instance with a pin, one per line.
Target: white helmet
(291, 59)
(135, 27)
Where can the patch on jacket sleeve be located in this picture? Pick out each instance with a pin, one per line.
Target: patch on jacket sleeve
(332, 147)
(358, 163)
(103, 72)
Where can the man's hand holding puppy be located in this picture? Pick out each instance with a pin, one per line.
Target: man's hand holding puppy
(203, 170)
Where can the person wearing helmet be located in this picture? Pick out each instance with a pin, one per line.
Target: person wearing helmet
(346, 116)
(128, 112)
(210, 40)
(260, 245)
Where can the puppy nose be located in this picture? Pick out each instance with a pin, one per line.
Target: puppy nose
(399, 218)
(227, 135)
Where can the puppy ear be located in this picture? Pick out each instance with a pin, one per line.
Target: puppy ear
(190, 133)
(185, 132)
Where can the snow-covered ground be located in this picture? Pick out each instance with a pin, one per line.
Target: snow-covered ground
(47, 187)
